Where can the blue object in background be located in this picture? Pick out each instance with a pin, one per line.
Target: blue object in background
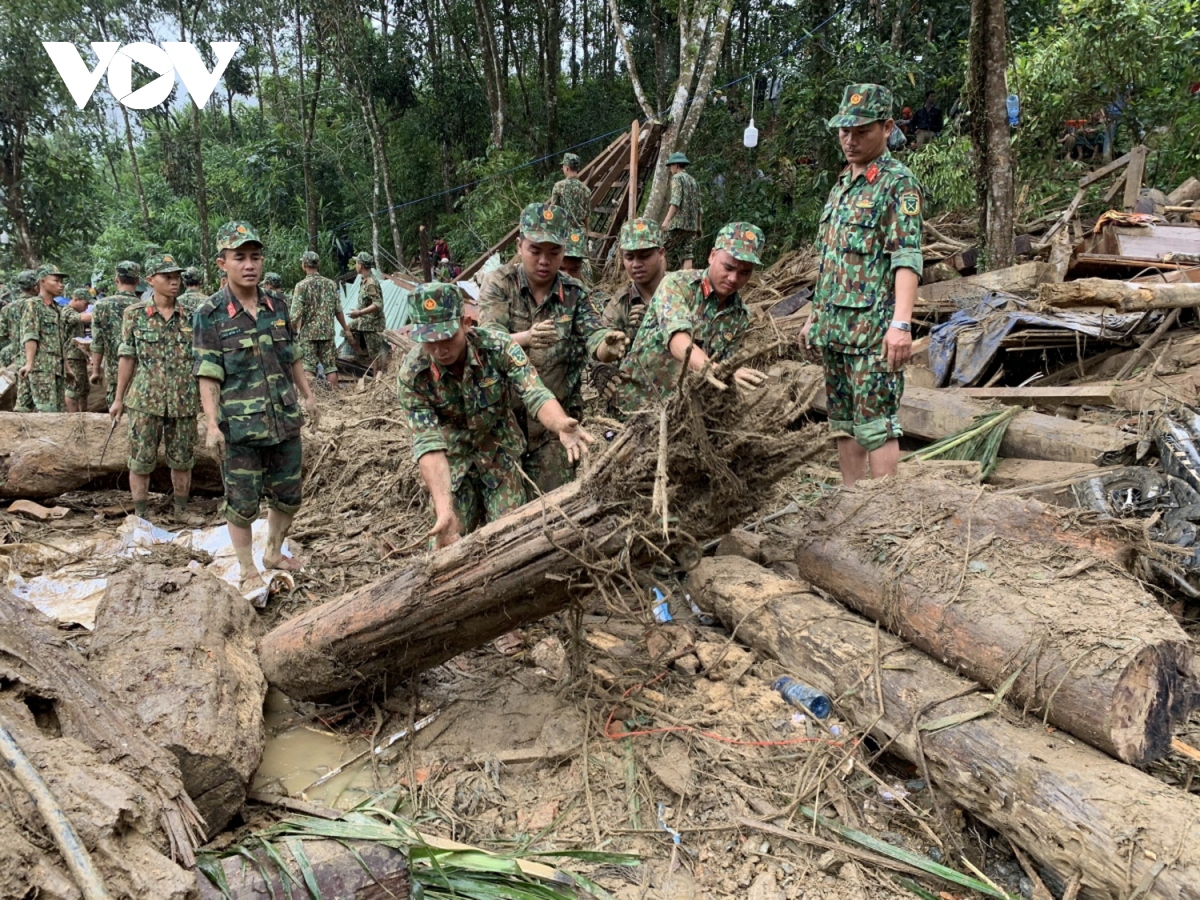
(1014, 110)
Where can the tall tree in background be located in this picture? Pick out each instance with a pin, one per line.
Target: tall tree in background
(987, 91)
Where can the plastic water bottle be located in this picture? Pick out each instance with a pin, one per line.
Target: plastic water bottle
(1014, 109)
(798, 694)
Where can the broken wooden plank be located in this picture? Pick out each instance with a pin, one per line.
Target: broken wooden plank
(1123, 296)
(1107, 169)
(1134, 175)
(1101, 393)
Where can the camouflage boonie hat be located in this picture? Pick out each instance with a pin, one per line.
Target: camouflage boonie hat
(82, 294)
(161, 264)
(863, 104)
(309, 258)
(129, 270)
(232, 235)
(544, 224)
(47, 269)
(27, 279)
(576, 244)
(192, 276)
(436, 312)
(273, 279)
(678, 159)
(571, 160)
(741, 240)
(641, 234)
(365, 259)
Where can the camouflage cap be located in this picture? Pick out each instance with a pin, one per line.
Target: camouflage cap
(161, 264)
(128, 270)
(641, 234)
(741, 240)
(27, 279)
(192, 276)
(309, 258)
(273, 279)
(82, 294)
(863, 104)
(47, 269)
(576, 245)
(365, 259)
(544, 224)
(571, 160)
(678, 159)
(436, 312)
(232, 235)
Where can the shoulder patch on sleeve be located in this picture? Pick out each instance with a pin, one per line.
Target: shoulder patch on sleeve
(517, 355)
(910, 203)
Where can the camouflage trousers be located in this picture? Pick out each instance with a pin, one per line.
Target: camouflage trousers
(255, 471)
(46, 392)
(177, 435)
(110, 382)
(374, 345)
(863, 397)
(680, 245)
(476, 504)
(323, 352)
(78, 387)
(547, 465)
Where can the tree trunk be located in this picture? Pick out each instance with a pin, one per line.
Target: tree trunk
(12, 163)
(988, 92)
(1074, 809)
(1123, 296)
(308, 124)
(46, 454)
(385, 171)
(180, 647)
(630, 65)
(1001, 587)
(346, 870)
(493, 78)
(136, 170)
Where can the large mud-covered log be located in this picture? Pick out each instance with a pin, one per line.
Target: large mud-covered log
(1123, 296)
(178, 646)
(1073, 808)
(47, 454)
(1001, 586)
(346, 870)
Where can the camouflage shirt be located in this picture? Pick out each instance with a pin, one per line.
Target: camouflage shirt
(369, 292)
(253, 361)
(685, 194)
(73, 327)
(575, 199)
(684, 302)
(870, 227)
(617, 309)
(163, 384)
(106, 330)
(43, 322)
(10, 330)
(315, 307)
(506, 304)
(469, 415)
(193, 297)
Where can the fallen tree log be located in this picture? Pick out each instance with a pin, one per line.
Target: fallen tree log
(721, 454)
(1123, 296)
(178, 646)
(1074, 809)
(1004, 588)
(47, 454)
(347, 870)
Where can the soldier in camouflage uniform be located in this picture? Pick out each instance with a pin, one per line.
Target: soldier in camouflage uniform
(367, 324)
(44, 343)
(75, 321)
(455, 386)
(273, 285)
(573, 197)
(317, 302)
(551, 316)
(10, 317)
(250, 372)
(193, 287)
(106, 327)
(645, 262)
(154, 380)
(870, 265)
(575, 260)
(696, 315)
(683, 220)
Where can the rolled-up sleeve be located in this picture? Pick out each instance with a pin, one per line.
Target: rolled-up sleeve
(208, 360)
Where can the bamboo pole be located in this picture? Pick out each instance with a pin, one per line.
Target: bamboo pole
(634, 130)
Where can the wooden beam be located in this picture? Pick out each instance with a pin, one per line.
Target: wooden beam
(635, 133)
(1102, 393)
(1092, 177)
(1134, 175)
(487, 254)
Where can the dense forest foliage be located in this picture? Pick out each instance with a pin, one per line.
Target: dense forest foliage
(363, 120)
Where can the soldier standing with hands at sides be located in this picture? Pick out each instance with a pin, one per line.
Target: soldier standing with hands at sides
(106, 326)
(154, 380)
(75, 319)
(573, 196)
(550, 315)
(43, 339)
(250, 373)
(315, 305)
(869, 242)
(454, 387)
(367, 322)
(683, 219)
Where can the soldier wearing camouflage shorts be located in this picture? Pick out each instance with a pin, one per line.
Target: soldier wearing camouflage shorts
(683, 220)
(316, 303)
(10, 317)
(193, 287)
(75, 321)
(367, 324)
(573, 197)
(698, 316)
(870, 263)
(43, 339)
(154, 380)
(250, 372)
(549, 315)
(454, 387)
(106, 327)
